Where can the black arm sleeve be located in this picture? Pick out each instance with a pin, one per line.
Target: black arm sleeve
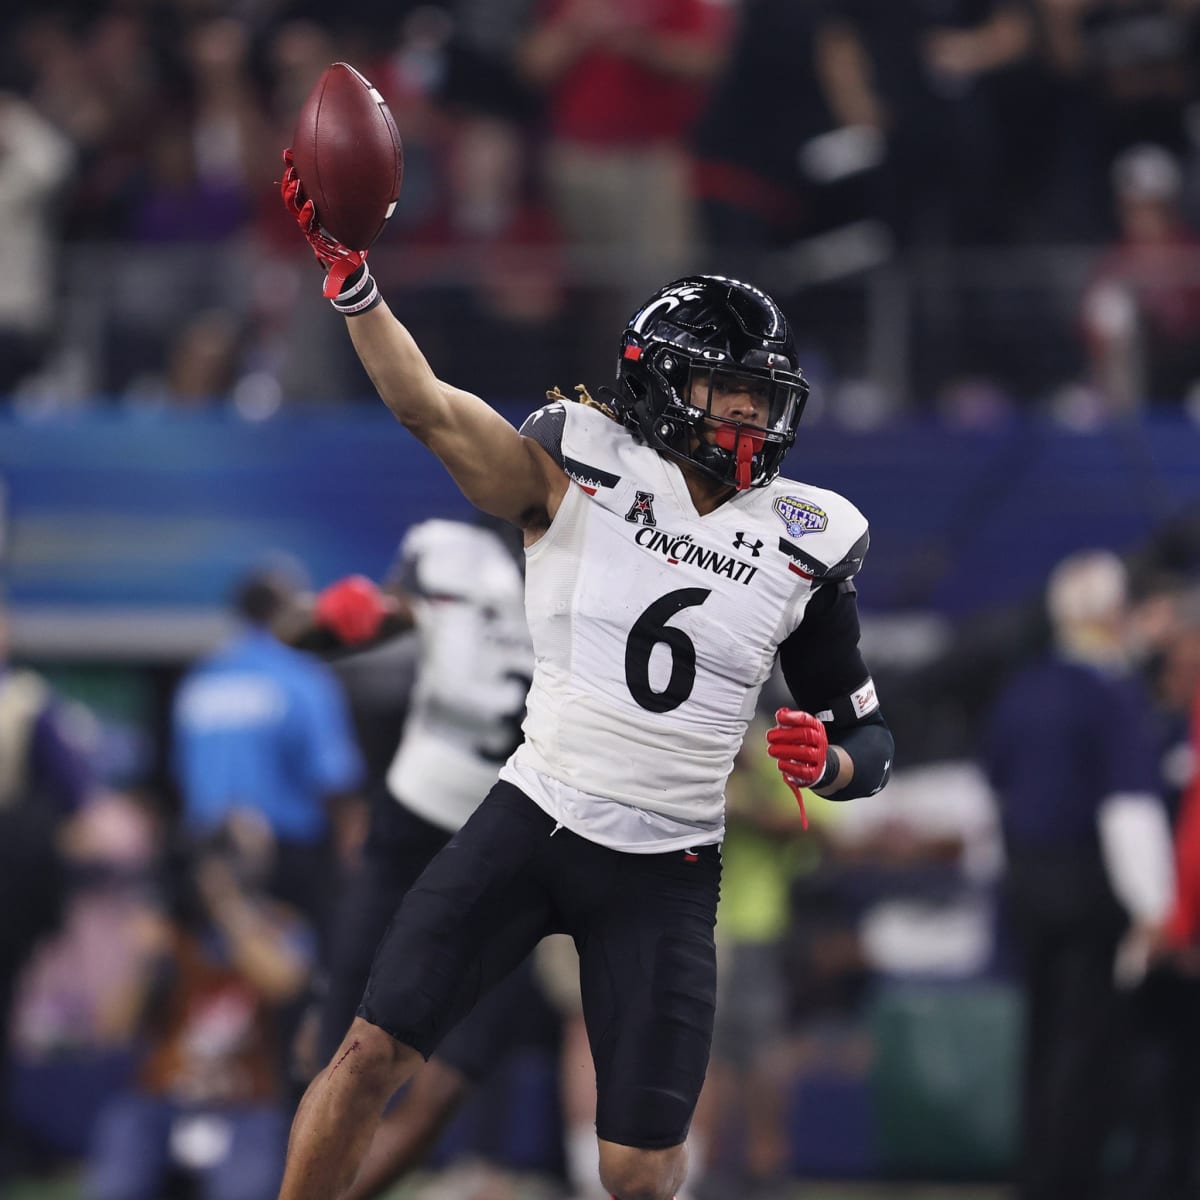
(822, 666)
(870, 746)
(820, 659)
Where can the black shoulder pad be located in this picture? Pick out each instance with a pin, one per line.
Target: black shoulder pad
(852, 561)
(546, 428)
(813, 568)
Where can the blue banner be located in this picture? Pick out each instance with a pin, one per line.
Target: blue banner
(111, 511)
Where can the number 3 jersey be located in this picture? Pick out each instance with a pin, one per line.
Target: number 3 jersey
(474, 663)
(654, 629)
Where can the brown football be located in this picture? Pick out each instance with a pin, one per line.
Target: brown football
(348, 156)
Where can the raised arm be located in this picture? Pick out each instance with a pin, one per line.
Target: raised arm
(499, 471)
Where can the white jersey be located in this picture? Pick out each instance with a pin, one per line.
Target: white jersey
(654, 629)
(474, 663)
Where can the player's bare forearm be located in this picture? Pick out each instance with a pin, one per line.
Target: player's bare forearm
(495, 468)
(400, 372)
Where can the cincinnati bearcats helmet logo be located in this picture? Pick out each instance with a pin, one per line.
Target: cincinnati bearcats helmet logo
(642, 509)
(666, 302)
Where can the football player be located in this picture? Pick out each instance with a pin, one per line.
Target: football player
(668, 568)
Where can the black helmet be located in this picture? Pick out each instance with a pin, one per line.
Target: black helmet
(710, 330)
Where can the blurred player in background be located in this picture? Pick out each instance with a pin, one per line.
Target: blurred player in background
(461, 586)
(661, 589)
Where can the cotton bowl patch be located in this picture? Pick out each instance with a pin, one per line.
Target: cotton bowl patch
(800, 516)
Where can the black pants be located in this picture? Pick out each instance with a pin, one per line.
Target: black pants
(643, 925)
(1067, 925)
(400, 845)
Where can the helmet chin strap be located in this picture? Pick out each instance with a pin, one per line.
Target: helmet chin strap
(744, 444)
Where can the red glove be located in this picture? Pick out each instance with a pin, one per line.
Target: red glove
(353, 608)
(340, 261)
(800, 747)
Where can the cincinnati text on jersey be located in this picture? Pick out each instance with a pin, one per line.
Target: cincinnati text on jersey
(681, 548)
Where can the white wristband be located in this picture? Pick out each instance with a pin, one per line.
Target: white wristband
(359, 296)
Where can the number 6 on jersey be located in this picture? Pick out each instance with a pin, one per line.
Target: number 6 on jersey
(650, 629)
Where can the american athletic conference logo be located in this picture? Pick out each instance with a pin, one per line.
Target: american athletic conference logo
(800, 516)
(642, 510)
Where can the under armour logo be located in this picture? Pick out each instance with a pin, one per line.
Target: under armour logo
(642, 509)
(740, 543)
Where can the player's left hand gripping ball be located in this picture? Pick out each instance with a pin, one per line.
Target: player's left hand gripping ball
(800, 747)
(340, 261)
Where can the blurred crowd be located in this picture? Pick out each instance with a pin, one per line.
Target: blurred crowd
(563, 156)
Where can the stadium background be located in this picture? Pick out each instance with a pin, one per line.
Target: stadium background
(943, 198)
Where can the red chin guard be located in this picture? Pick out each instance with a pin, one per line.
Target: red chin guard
(744, 444)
